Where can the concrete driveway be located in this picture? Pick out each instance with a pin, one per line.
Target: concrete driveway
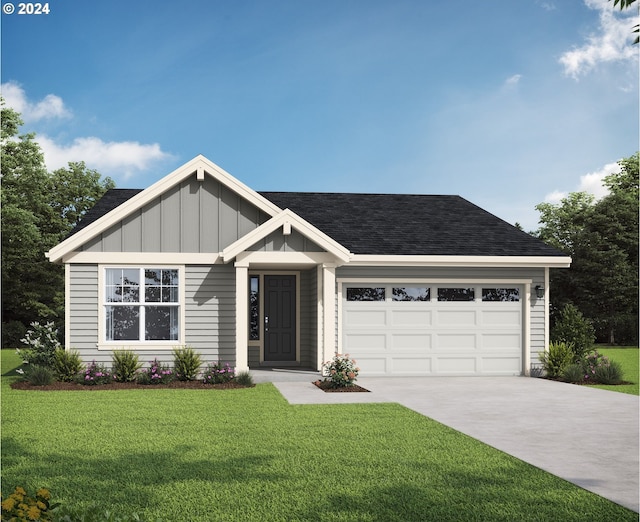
(584, 435)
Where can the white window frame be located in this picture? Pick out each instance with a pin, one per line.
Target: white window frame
(104, 344)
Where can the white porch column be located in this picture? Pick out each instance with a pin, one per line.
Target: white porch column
(329, 311)
(242, 316)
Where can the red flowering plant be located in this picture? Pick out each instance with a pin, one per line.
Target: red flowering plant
(341, 371)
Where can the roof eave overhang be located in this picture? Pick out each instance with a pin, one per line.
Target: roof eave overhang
(198, 166)
(462, 261)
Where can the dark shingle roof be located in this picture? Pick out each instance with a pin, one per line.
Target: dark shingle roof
(405, 224)
(389, 224)
(111, 199)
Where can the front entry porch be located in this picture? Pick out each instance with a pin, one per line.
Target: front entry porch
(289, 318)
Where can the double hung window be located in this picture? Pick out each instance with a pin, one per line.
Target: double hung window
(142, 304)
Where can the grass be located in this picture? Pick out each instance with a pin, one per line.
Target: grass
(247, 454)
(628, 358)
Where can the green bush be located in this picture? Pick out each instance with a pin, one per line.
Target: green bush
(573, 328)
(244, 379)
(556, 359)
(125, 365)
(157, 373)
(38, 375)
(573, 373)
(186, 363)
(341, 371)
(67, 364)
(610, 373)
(42, 343)
(218, 373)
(95, 373)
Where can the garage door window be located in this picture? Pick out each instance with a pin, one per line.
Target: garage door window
(365, 294)
(500, 294)
(456, 294)
(411, 293)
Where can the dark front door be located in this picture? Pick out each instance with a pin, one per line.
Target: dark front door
(280, 318)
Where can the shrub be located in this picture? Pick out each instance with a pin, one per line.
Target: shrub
(38, 375)
(186, 363)
(21, 507)
(217, 373)
(94, 374)
(573, 373)
(125, 365)
(573, 328)
(42, 343)
(609, 373)
(244, 379)
(341, 371)
(157, 373)
(67, 364)
(556, 359)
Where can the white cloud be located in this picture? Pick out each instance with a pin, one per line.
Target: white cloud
(513, 80)
(590, 183)
(123, 158)
(611, 43)
(51, 106)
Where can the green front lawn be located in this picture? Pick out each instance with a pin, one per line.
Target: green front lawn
(628, 358)
(183, 455)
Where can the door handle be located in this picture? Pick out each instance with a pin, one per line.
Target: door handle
(266, 323)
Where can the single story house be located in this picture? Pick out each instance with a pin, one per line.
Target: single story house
(406, 284)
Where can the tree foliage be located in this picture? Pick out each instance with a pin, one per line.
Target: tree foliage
(602, 239)
(39, 209)
(625, 4)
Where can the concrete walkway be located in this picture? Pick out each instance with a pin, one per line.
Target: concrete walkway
(584, 435)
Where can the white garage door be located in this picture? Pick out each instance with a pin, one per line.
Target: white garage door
(428, 329)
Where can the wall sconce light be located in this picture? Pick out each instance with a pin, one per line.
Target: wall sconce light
(539, 291)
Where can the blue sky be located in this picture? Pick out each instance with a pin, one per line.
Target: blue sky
(506, 103)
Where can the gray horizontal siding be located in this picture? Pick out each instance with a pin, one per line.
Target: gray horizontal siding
(209, 315)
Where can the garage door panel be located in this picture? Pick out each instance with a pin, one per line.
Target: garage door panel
(431, 337)
(410, 342)
(497, 365)
(501, 341)
(372, 366)
(501, 317)
(456, 317)
(366, 317)
(411, 365)
(411, 318)
(363, 343)
(457, 341)
(457, 365)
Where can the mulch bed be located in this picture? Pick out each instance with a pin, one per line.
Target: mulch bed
(72, 386)
(327, 387)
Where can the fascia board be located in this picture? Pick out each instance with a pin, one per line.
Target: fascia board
(466, 261)
(299, 224)
(157, 189)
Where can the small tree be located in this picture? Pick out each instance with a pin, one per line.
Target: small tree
(42, 341)
(575, 330)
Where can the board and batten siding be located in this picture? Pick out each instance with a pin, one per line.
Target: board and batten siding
(194, 216)
(209, 315)
(536, 275)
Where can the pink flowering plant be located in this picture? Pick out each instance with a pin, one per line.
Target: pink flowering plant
(218, 373)
(94, 374)
(341, 371)
(157, 373)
